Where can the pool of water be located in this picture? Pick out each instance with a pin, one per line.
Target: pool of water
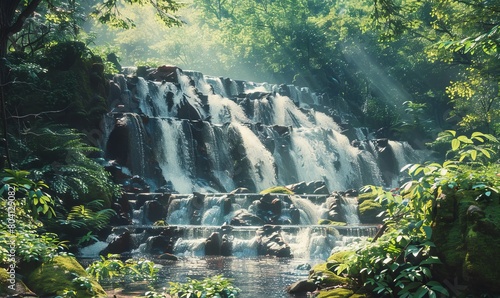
(255, 277)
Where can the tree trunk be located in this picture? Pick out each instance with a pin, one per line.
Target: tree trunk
(3, 81)
(10, 23)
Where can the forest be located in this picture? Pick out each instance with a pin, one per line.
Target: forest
(421, 72)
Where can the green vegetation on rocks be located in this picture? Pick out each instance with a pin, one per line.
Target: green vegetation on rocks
(277, 189)
(61, 274)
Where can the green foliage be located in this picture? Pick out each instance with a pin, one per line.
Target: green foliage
(34, 200)
(400, 262)
(63, 276)
(58, 155)
(82, 221)
(469, 165)
(108, 12)
(23, 202)
(457, 35)
(111, 269)
(216, 286)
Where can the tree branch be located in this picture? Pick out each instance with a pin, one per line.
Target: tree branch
(18, 24)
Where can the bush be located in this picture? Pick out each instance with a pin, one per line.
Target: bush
(216, 286)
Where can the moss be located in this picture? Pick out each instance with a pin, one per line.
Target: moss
(336, 293)
(277, 189)
(367, 196)
(7, 287)
(368, 211)
(481, 264)
(56, 276)
(328, 278)
(331, 222)
(4, 282)
(468, 245)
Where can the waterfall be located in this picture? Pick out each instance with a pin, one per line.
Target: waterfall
(350, 207)
(176, 160)
(309, 212)
(261, 161)
(215, 134)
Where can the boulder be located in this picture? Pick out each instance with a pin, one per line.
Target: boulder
(213, 245)
(312, 187)
(270, 242)
(244, 218)
(154, 211)
(302, 286)
(167, 256)
(167, 73)
(11, 285)
(158, 245)
(467, 238)
(121, 244)
(56, 276)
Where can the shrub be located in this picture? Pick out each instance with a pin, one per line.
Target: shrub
(216, 286)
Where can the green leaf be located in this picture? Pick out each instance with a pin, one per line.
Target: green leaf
(431, 260)
(455, 144)
(473, 154)
(428, 232)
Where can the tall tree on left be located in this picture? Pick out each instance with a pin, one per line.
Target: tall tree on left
(14, 14)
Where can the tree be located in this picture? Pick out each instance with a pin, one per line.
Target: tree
(14, 15)
(463, 34)
(279, 37)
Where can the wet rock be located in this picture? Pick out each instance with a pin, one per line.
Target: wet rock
(302, 286)
(154, 211)
(158, 245)
(136, 184)
(213, 245)
(270, 242)
(120, 218)
(335, 211)
(167, 256)
(475, 213)
(269, 208)
(167, 73)
(226, 247)
(312, 187)
(294, 215)
(121, 244)
(244, 218)
(321, 190)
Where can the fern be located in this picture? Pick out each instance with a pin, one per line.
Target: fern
(83, 214)
(59, 156)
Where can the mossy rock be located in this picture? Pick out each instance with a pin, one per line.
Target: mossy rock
(481, 262)
(277, 189)
(336, 293)
(466, 244)
(329, 279)
(338, 258)
(4, 281)
(367, 196)
(368, 211)
(331, 223)
(56, 276)
(8, 288)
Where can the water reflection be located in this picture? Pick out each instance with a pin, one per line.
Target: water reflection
(256, 277)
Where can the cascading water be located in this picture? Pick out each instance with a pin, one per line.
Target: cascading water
(253, 136)
(206, 136)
